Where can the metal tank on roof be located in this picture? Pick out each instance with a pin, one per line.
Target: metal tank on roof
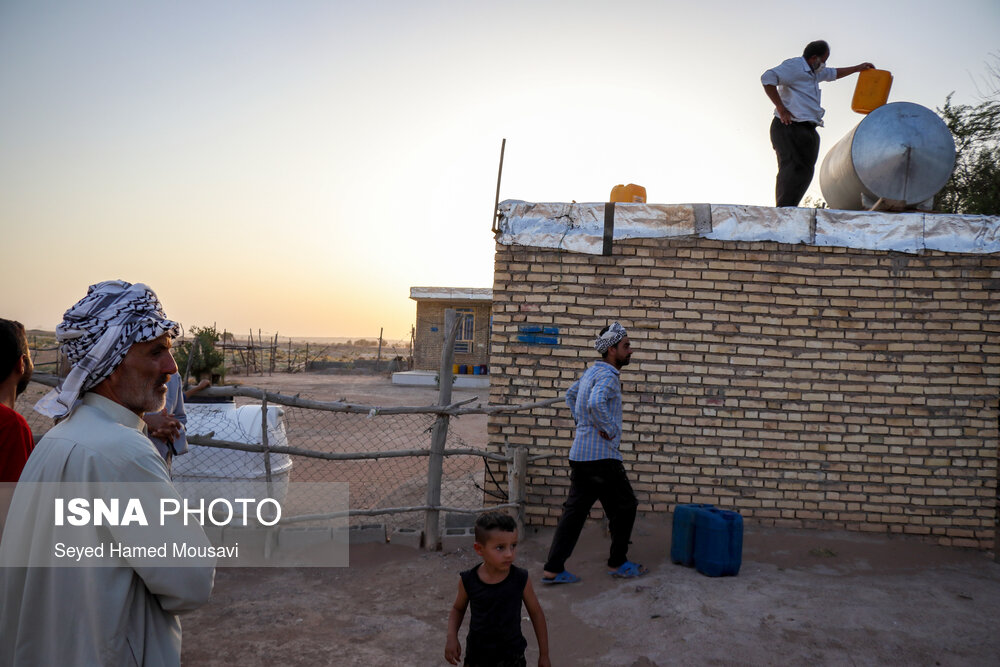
(901, 153)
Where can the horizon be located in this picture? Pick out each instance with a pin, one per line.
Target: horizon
(39, 331)
(303, 165)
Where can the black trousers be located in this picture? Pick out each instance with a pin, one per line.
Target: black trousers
(590, 481)
(512, 662)
(797, 147)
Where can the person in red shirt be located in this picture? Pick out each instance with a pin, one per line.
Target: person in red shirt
(16, 441)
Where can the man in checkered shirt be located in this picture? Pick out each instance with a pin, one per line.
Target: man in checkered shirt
(596, 469)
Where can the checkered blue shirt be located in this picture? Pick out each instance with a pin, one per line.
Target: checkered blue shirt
(596, 403)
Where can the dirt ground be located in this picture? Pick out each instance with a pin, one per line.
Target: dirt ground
(801, 597)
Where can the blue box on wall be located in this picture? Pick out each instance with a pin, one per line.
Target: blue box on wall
(537, 335)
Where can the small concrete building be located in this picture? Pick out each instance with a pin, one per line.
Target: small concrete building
(472, 345)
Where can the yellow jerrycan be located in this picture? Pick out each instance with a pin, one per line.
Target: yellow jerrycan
(628, 194)
(871, 90)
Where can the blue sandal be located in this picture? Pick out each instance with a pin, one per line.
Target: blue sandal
(628, 570)
(564, 577)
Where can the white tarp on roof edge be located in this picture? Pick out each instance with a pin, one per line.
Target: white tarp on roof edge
(580, 227)
(760, 223)
(452, 293)
(962, 233)
(902, 232)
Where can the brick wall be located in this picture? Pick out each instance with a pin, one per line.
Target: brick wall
(429, 335)
(803, 386)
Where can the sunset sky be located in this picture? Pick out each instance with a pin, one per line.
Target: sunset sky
(297, 166)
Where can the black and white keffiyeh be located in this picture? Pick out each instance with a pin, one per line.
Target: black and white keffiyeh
(610, 338)
(96, 334)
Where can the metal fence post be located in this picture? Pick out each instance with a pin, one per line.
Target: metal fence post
(435, 463)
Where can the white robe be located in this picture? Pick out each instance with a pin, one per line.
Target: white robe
(79, 615)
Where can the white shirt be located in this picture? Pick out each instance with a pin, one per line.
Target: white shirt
(798, 87)
(78, 615)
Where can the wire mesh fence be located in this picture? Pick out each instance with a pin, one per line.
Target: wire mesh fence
(39, 424)
(383, 457)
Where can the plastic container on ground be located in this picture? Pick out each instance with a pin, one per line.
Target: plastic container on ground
(628, 194)
(872, 90)
(718, 542)
(682, 536)
(212, 472)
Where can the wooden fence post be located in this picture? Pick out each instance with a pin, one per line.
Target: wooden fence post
(274, 355)
(439, 434)
(266, 444)
(223, 378)
(516, 480)
(271, 540)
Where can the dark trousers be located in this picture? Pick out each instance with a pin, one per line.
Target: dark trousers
(512, 662)
(797, 147)
(590, 481)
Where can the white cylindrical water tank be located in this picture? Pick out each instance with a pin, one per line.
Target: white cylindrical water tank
(205, 473)
(901, 152)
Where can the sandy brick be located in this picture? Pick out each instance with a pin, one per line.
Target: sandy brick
(803, 386)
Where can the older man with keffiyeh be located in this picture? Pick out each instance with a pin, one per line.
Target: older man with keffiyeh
(595, 459)
(118, 340)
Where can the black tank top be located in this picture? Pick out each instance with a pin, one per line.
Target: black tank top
(495, 625)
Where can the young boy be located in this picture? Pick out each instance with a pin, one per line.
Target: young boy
(496, 588)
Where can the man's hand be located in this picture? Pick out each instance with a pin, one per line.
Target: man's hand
(162, 426)
(604, 435)
(847, 71)
(204, 384)
(453, 650)
(784, 115)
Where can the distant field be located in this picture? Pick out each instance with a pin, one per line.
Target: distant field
(242, 356)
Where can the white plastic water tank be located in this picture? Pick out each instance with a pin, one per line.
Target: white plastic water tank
(232, 473)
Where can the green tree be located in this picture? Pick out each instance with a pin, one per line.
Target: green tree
(974, 186)
(198, 357)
